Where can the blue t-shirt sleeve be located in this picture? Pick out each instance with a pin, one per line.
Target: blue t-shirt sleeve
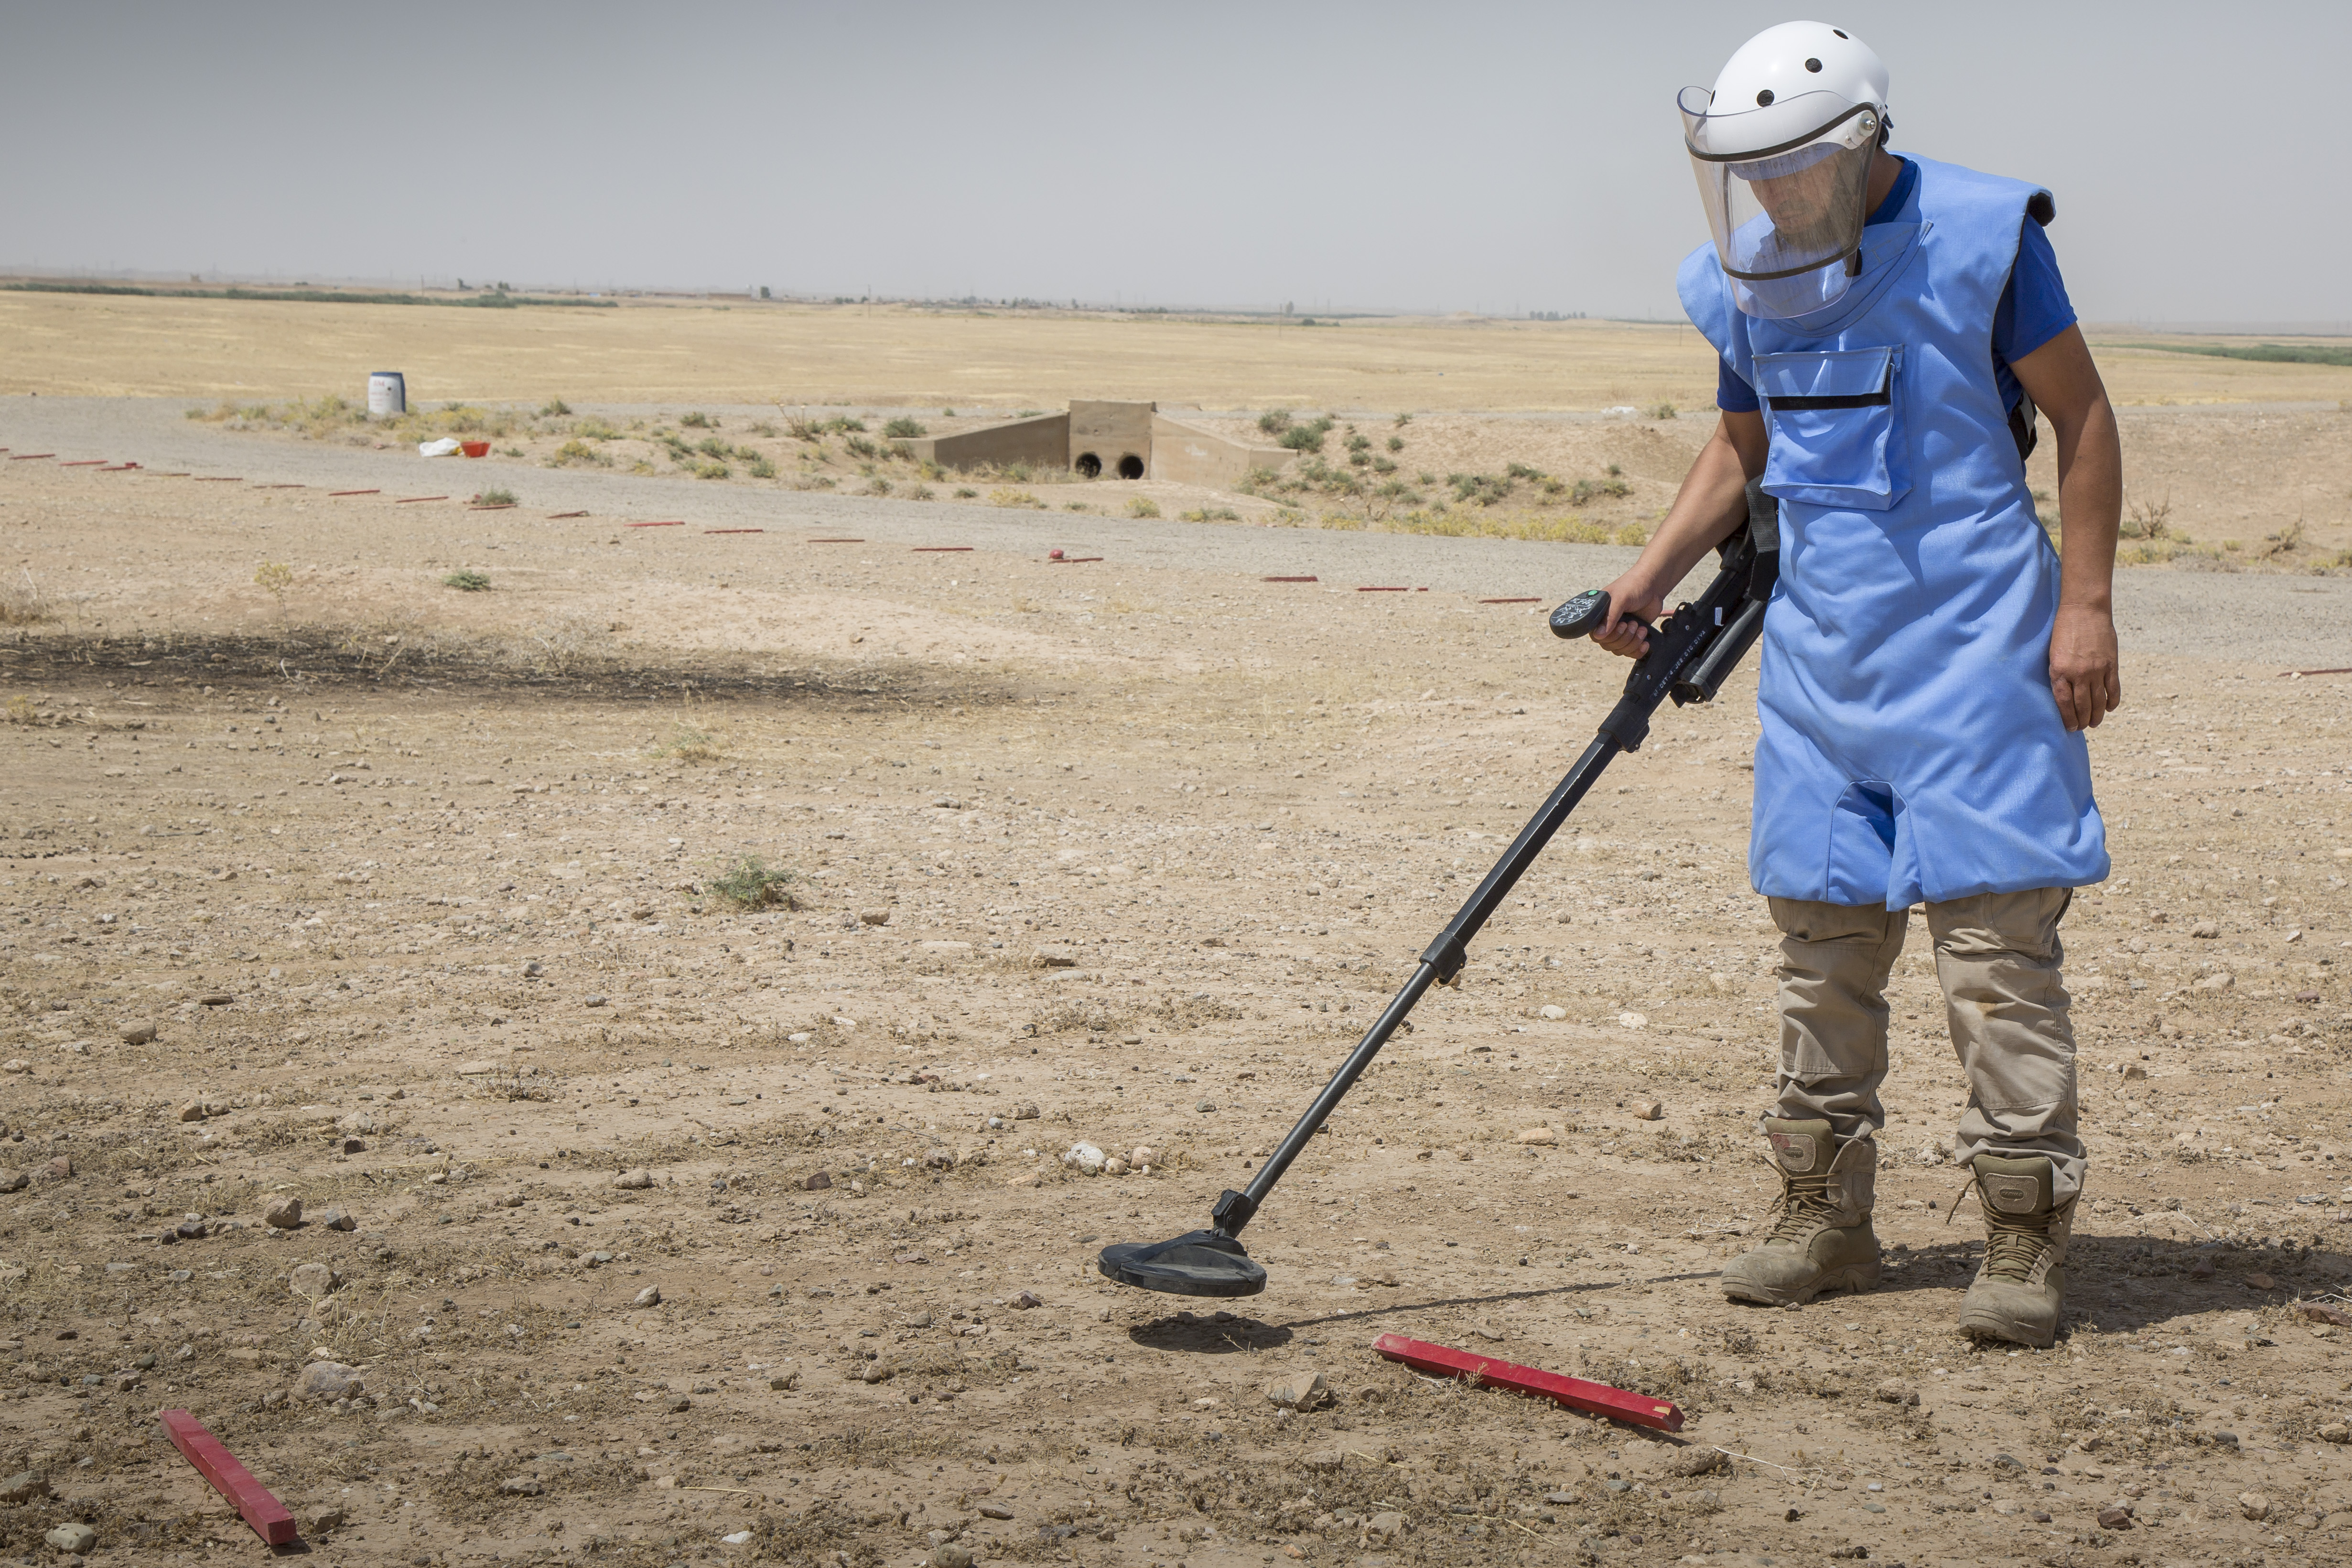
(2033, 306)
(1732, 394)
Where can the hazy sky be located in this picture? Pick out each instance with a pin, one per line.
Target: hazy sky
(1499, 157)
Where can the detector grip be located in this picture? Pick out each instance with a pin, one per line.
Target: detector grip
(1583, 616)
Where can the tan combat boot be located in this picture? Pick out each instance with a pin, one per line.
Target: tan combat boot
(2022, 1285)
(1823, 1240)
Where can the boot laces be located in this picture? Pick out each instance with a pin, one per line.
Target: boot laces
(2013, 1243)
(1804, 1207)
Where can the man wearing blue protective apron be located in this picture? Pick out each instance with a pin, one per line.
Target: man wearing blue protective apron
(1887, 327)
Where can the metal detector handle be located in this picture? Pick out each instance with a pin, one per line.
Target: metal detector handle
(1586, 614)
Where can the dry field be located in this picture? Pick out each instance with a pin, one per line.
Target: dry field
(748, 352)
(423, 894)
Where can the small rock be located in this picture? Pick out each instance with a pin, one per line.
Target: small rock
(319, 1521)
(1086, 1157)
(216, 999)
(2205, 929)
(817, 1182)
(1648, 1111)
(876, 916)
(192, 1112)
(950, 1554)
(1053, 958)
(1206, 1106)
(2253, 1505)
(1024, 1112)
(592, 1001)
(649, 1296)
(1538, 1136)
(77, 1539)
(476, 1068)
(2336, 1432)
(1554, 1013)
(785, 1383)
(1384, 1527)
(2115, 1518)
(354, 1146)
(1143, 1155)
(994, 1511)
(137, 1034)
(1893, 1392)
(1488, 1329)
(1633, 1020)
(1114, 1166)
(877, 1372)
(1697, 1461)
(338, 1219)
(15, 1182)
(521, 1486)
(1028, 1298)
(311, 1280)
(1297, 1390)
(282, 1212)
(324, 1382)
(357, 1121)
(24, 1487)
(15, 1064)
(2261, 1281)
(633, 1181)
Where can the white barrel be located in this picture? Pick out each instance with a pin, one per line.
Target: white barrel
(387, 393)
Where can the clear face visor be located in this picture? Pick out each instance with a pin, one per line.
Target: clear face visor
(1786, 187)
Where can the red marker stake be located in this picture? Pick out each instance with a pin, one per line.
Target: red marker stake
(1510, 601)
(734, 531)
(553, 516)
(679, 523)
(943, 549)
(1594, 1398)
(412, 501)
(1383, 590)
(1290, 579)
(232, 1480)
(333, 493)
(84, 463)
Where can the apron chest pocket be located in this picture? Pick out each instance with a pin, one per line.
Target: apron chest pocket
(1837, 427)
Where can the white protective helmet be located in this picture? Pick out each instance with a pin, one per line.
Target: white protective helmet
(1782, 148)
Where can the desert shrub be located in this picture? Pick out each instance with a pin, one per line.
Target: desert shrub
(1586, 490)
(698, 421)
(1522, 471)
(1403, 420)
(761, 468)
(712, 447)
(904, 428)
(496, 497)
(467, 581)
(554, 408)
(2147, 519)
(1274, 421)
(860, 446)
(919, 492)
(576, 451)
(1143, 506)
(1396, 442)
(274, 577)
(842, 425)
(1306, 437)
(711, 470)
(1211, 514)
(1659, 411)
(965, 492)
(748, 883)
(1485, 488)
(1632, 534)
(804, 430)
(878, 486)
(1012, 498)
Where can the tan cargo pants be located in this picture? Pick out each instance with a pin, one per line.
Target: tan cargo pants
(1998, 956)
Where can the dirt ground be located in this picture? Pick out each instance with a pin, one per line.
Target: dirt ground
(722, 350)
(420, 891)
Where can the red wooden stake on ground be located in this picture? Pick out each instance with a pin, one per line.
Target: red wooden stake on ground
(232, 1480)
(1290, 579)
(1595, 1398)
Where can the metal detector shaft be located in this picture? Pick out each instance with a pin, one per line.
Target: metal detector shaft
(1685, 639)
(1438, 966)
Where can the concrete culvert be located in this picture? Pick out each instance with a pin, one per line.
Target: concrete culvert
(1131, 466)
(1089, 466)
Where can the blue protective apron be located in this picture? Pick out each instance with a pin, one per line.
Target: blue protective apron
(1911, 747)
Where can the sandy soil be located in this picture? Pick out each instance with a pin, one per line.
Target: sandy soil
(416, 888)
(745, 350)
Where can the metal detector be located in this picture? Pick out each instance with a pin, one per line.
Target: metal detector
(1691, 653)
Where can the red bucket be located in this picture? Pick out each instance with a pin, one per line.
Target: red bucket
(474, 449)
